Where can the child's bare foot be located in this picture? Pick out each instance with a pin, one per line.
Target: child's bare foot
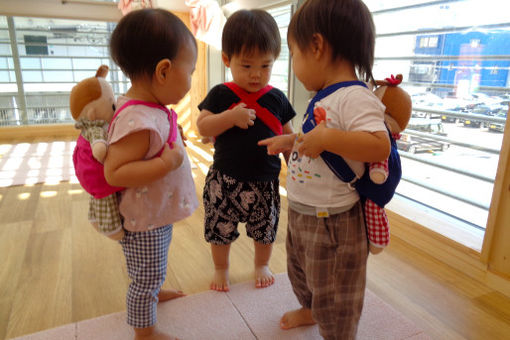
(263, 277)
(220, 281)
(297, 318)
(169, 294)
(151, 333)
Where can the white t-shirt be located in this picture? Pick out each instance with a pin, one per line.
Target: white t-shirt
(310, 181)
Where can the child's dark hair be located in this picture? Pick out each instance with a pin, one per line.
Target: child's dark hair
(145, 37)
(249, 30)
(346, 25)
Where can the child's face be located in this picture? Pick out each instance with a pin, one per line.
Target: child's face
(179, 81)
(250, 71)
(304, 67)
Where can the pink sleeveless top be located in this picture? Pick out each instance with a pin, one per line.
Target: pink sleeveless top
(168, 199)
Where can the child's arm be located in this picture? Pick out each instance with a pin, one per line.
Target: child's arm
(288, 130)
(210, 124)
(356, 145)
(125, 165)
(277, 144)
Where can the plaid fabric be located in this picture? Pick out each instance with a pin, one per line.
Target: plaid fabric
(377, 224)
(104, 214)
(95, 131)
(326, 262)
(146, 257)
(228, 201)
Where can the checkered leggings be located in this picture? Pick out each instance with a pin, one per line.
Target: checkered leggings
(146, 257)
(326, 263)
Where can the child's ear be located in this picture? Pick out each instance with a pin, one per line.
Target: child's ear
(163, 69)
(318, 44)
(225, 59)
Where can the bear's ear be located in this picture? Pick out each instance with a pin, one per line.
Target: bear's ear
(102, 71)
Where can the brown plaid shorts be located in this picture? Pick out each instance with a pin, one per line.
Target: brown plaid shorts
(326, 263)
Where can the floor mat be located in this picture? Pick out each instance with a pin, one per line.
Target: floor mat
(243, 313)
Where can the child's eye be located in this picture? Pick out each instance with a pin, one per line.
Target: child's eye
(113, 107)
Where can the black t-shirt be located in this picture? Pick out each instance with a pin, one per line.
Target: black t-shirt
(236, 151)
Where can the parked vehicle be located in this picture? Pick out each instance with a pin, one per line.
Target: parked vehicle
(498, 127)
(425, 100)
(482, 110)
(456, 105)
(413, 144)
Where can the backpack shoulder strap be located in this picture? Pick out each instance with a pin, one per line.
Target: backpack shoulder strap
(335, 162)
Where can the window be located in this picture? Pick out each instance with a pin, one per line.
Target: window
(36, 44)
(280, 75)
(455, 59)
(426, 42)
(50, 57)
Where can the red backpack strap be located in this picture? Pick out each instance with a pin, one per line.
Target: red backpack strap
(250, 99)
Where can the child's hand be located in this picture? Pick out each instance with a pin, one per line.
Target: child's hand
(241, 116)
(172, 157)
(278, 144)
(310, 143)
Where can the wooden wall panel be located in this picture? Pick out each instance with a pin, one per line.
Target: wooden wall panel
(496, 252)
(187, 108)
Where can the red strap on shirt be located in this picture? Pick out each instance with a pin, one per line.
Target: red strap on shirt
(250, 99)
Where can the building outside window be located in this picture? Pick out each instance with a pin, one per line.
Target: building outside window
(42, 59)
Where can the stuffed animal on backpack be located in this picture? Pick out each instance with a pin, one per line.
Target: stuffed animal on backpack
(396, 116)
(92, 105)
(398, 112)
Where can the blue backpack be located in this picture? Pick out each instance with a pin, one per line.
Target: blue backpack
(381, 194)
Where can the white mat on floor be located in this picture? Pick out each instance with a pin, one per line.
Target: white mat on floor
(243, 313)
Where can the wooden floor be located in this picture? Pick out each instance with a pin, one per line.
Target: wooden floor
(56, 269)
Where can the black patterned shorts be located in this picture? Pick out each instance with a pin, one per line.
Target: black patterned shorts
(228, 202)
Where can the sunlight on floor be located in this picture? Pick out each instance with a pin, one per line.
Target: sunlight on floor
(207, 156)
(29, 164)
(24, 196)
(47, 194)
(283, 192)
